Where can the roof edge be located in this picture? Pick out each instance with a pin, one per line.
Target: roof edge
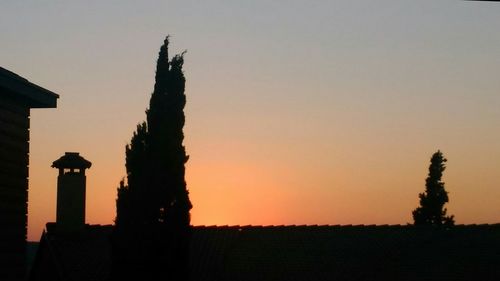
(34, 95)
(344, 226)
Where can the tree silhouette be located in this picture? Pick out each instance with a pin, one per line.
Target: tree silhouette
(152, 225)
(431, 210)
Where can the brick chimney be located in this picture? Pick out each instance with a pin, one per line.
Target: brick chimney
(70, 216)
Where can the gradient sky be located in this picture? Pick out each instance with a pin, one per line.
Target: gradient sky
(298, 112)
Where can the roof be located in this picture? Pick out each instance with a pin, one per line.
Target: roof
(385, 252)
(396, 252)
(81, 256)
(20, 88)
(71, 160)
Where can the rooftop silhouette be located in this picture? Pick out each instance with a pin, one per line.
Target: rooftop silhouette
(306, 252)
(17, 97)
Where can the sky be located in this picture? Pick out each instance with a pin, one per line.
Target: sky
(298, 112)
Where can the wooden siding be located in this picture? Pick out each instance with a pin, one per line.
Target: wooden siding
(14, 153)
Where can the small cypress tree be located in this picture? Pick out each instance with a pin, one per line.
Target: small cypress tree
(152, 225)
(431, 211)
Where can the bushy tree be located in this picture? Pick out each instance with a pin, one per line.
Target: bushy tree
(431, 211)
(152, 225)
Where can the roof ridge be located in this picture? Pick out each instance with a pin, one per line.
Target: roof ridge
(335, 226)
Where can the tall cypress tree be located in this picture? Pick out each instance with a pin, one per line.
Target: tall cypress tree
(431, 211)
(152, 225)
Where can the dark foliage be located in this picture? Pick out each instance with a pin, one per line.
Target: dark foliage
(431, 211)
(152, 226)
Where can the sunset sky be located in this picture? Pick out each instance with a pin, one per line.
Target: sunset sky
(298, 112)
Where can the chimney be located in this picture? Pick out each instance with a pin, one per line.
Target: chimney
(70, 216)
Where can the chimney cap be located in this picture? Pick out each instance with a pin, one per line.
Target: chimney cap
(71, 160)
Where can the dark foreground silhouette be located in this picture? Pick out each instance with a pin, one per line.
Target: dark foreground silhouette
(283, 253)
(18, 97)
(151, 235)
(431, 210)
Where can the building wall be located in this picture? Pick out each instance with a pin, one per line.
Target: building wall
(14, 153)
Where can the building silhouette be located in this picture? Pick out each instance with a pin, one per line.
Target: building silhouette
(17, 97)
(283, 253)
